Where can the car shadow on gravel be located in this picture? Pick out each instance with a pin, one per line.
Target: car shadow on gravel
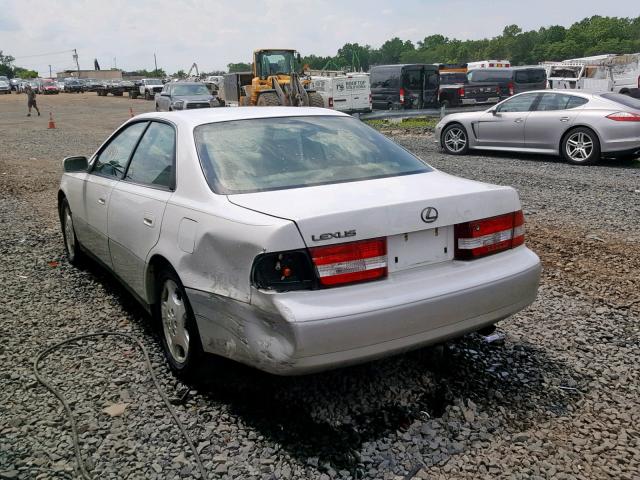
(324, 419)
(538, 157)
(299, 413)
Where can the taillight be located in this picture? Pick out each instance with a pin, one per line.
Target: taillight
(330, 102)
(402, 95)
(510, 87)
(624, 117)
(498, 91)
(480, 238)
(283, 271)
(370, 101)
(461, 92)
(350, 262)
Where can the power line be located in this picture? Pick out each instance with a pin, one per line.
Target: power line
(43, 54)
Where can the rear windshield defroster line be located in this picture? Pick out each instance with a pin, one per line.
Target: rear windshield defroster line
(256, 155)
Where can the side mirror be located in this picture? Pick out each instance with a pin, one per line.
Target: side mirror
(75, 164)
(494, 111)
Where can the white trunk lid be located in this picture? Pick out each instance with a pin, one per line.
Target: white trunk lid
(388, 207)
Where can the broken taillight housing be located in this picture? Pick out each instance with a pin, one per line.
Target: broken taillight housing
(283, 271)
(487, 236)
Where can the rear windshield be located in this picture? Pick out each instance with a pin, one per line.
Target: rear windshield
(489, 75)
(451, 78)
(244, 156)
(625, 100)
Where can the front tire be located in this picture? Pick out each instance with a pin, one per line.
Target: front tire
(268, 100)
(455, 140)
(180, 337)
(71, 244)
(581, 146)
(315, 100)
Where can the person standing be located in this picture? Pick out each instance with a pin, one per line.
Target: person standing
(31, 100)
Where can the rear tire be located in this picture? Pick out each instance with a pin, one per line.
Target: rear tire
(580, 146)
(315, 100)
(455, 140)
(268, 100)
(180, 337)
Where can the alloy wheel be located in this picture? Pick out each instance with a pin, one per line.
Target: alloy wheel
(174, 321)
(455, 139)
(69, 236)
(579, 146)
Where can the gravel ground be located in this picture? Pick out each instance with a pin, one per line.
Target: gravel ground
(558, 400)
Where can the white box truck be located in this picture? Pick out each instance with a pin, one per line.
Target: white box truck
(346, 93)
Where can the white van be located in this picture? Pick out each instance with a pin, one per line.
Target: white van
(489, 64)
(345, 93)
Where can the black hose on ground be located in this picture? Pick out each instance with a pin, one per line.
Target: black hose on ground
(74, 429)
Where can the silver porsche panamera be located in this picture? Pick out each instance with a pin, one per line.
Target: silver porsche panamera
(293, 239)
(581, 127)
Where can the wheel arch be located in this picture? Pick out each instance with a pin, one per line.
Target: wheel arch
(572, 128)
(156, 264)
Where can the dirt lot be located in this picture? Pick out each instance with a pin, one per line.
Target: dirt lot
(560, 399)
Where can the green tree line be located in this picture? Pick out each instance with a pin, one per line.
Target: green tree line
(591, 36)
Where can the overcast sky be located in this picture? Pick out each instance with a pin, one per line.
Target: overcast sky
(215, 33)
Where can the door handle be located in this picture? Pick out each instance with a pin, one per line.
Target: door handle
(518, 120)
(564, 119)
(148, 221)
(102, 201)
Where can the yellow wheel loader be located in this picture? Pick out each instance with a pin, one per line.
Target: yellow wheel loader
(275, 79)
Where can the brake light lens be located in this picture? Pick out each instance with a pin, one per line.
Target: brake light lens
(624, 117)
(350, 262)
(461, 92)
(510, 87)
(330, 102)
(402, 95)
(480, 238)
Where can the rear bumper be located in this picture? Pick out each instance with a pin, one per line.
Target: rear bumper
(302, 332)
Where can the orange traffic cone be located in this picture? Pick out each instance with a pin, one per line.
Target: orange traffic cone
(52, 124)
(131, 112)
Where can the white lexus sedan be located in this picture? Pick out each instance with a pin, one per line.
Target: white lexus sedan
(293, 239)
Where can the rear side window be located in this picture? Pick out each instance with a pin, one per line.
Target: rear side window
(153, 162)
(559, 101)
(244, 156)
(625, 100)
(112, 161)
(522, 76)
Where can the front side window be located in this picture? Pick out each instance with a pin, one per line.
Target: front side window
(276, 63)
(254, 155)
(153, 161)
(520, 103)
(112, 161)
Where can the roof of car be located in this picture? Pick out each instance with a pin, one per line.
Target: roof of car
(200, 116)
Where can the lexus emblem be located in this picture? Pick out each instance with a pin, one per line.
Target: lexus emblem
(429, 215)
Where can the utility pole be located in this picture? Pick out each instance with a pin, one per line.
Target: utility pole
(115, 65)
(50, 74)
(155, 61)
(75, 57)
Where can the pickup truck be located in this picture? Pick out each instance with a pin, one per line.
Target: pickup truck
(147, 87)
(456, 90)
